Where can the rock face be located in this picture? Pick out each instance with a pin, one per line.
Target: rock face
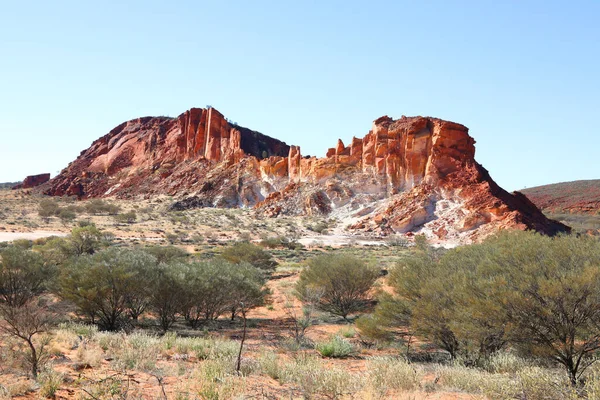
(32, 181)
(414, 174)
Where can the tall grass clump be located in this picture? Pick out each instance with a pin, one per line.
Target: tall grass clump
(387, 376)
(336, 347)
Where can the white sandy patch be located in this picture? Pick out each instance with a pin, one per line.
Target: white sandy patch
(337, 240)
(10, 236)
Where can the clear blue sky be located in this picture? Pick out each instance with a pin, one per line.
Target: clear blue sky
(522, 75)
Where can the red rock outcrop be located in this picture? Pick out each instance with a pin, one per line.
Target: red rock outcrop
(405, 175)
(32, 181)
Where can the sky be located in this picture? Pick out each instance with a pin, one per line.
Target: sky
(522, 75)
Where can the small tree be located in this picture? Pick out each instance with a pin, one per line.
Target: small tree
(167, 295)
(101, 285)
(26, 323)
(344, 281)
(85, 240)
(549, 291)
(252, 254)
(66, 216)
(215, 287)
(48, 208)
(23, 276)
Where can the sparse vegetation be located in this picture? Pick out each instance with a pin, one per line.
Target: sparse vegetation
(344, 283)
(432, 303)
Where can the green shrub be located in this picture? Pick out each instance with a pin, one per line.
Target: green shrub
(50, 382)
(126, 218)
(48, 208)
(344, 283)
(252, 254)
(336, 347)
(99, 206)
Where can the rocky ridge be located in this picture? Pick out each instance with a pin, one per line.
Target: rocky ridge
(32, 181)
(414, 174)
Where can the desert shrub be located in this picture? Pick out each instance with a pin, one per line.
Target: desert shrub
(475, 381)
(167, 296)
(85, 240)
(23, 276)
(506, 362)
(313, 378)
(48, 208)
(67, 215)
(319, 227)
(136, 351)
(271, 365)
(172, 238)
(23, 243)
(347, 332)
(101, 285)
(26, 323)
(215, 287)
(165, 254)
(371, 329)
(387, 376)
(99, 206)
(126, 218)
(397, 241)
(336, 347)
(249, 253)
(50, 382)
(56, 250)
(344, 282)
(280, 241)
(516, 287)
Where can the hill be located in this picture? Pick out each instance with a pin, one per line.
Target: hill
(576, 203)
(578, 197)
(406, 176)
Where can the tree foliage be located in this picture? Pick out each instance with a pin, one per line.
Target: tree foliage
(23, 275)
(344, 283)
(538, 293)
(247, 252)
(101, 285)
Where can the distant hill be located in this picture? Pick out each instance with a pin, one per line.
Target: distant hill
(580, 197)
(8, 185)
(576, 203)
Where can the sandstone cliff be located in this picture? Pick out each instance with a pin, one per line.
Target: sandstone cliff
(406, 175)
(32, 181)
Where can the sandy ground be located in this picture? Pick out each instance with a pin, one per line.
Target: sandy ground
(10, 236)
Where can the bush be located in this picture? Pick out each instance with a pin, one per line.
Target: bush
(336, 347)
(280, 241)
(252, 254)
(344, 283)
(23, 276)
(166, 253)
(387, 375)
(371, 329)
(126, 218)
(99, 206)
(67, 215)
(516, 287)
(215, 287)
(48, 208)
(102, 285)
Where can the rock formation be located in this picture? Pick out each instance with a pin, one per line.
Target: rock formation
(406, 175)
(32, 181)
